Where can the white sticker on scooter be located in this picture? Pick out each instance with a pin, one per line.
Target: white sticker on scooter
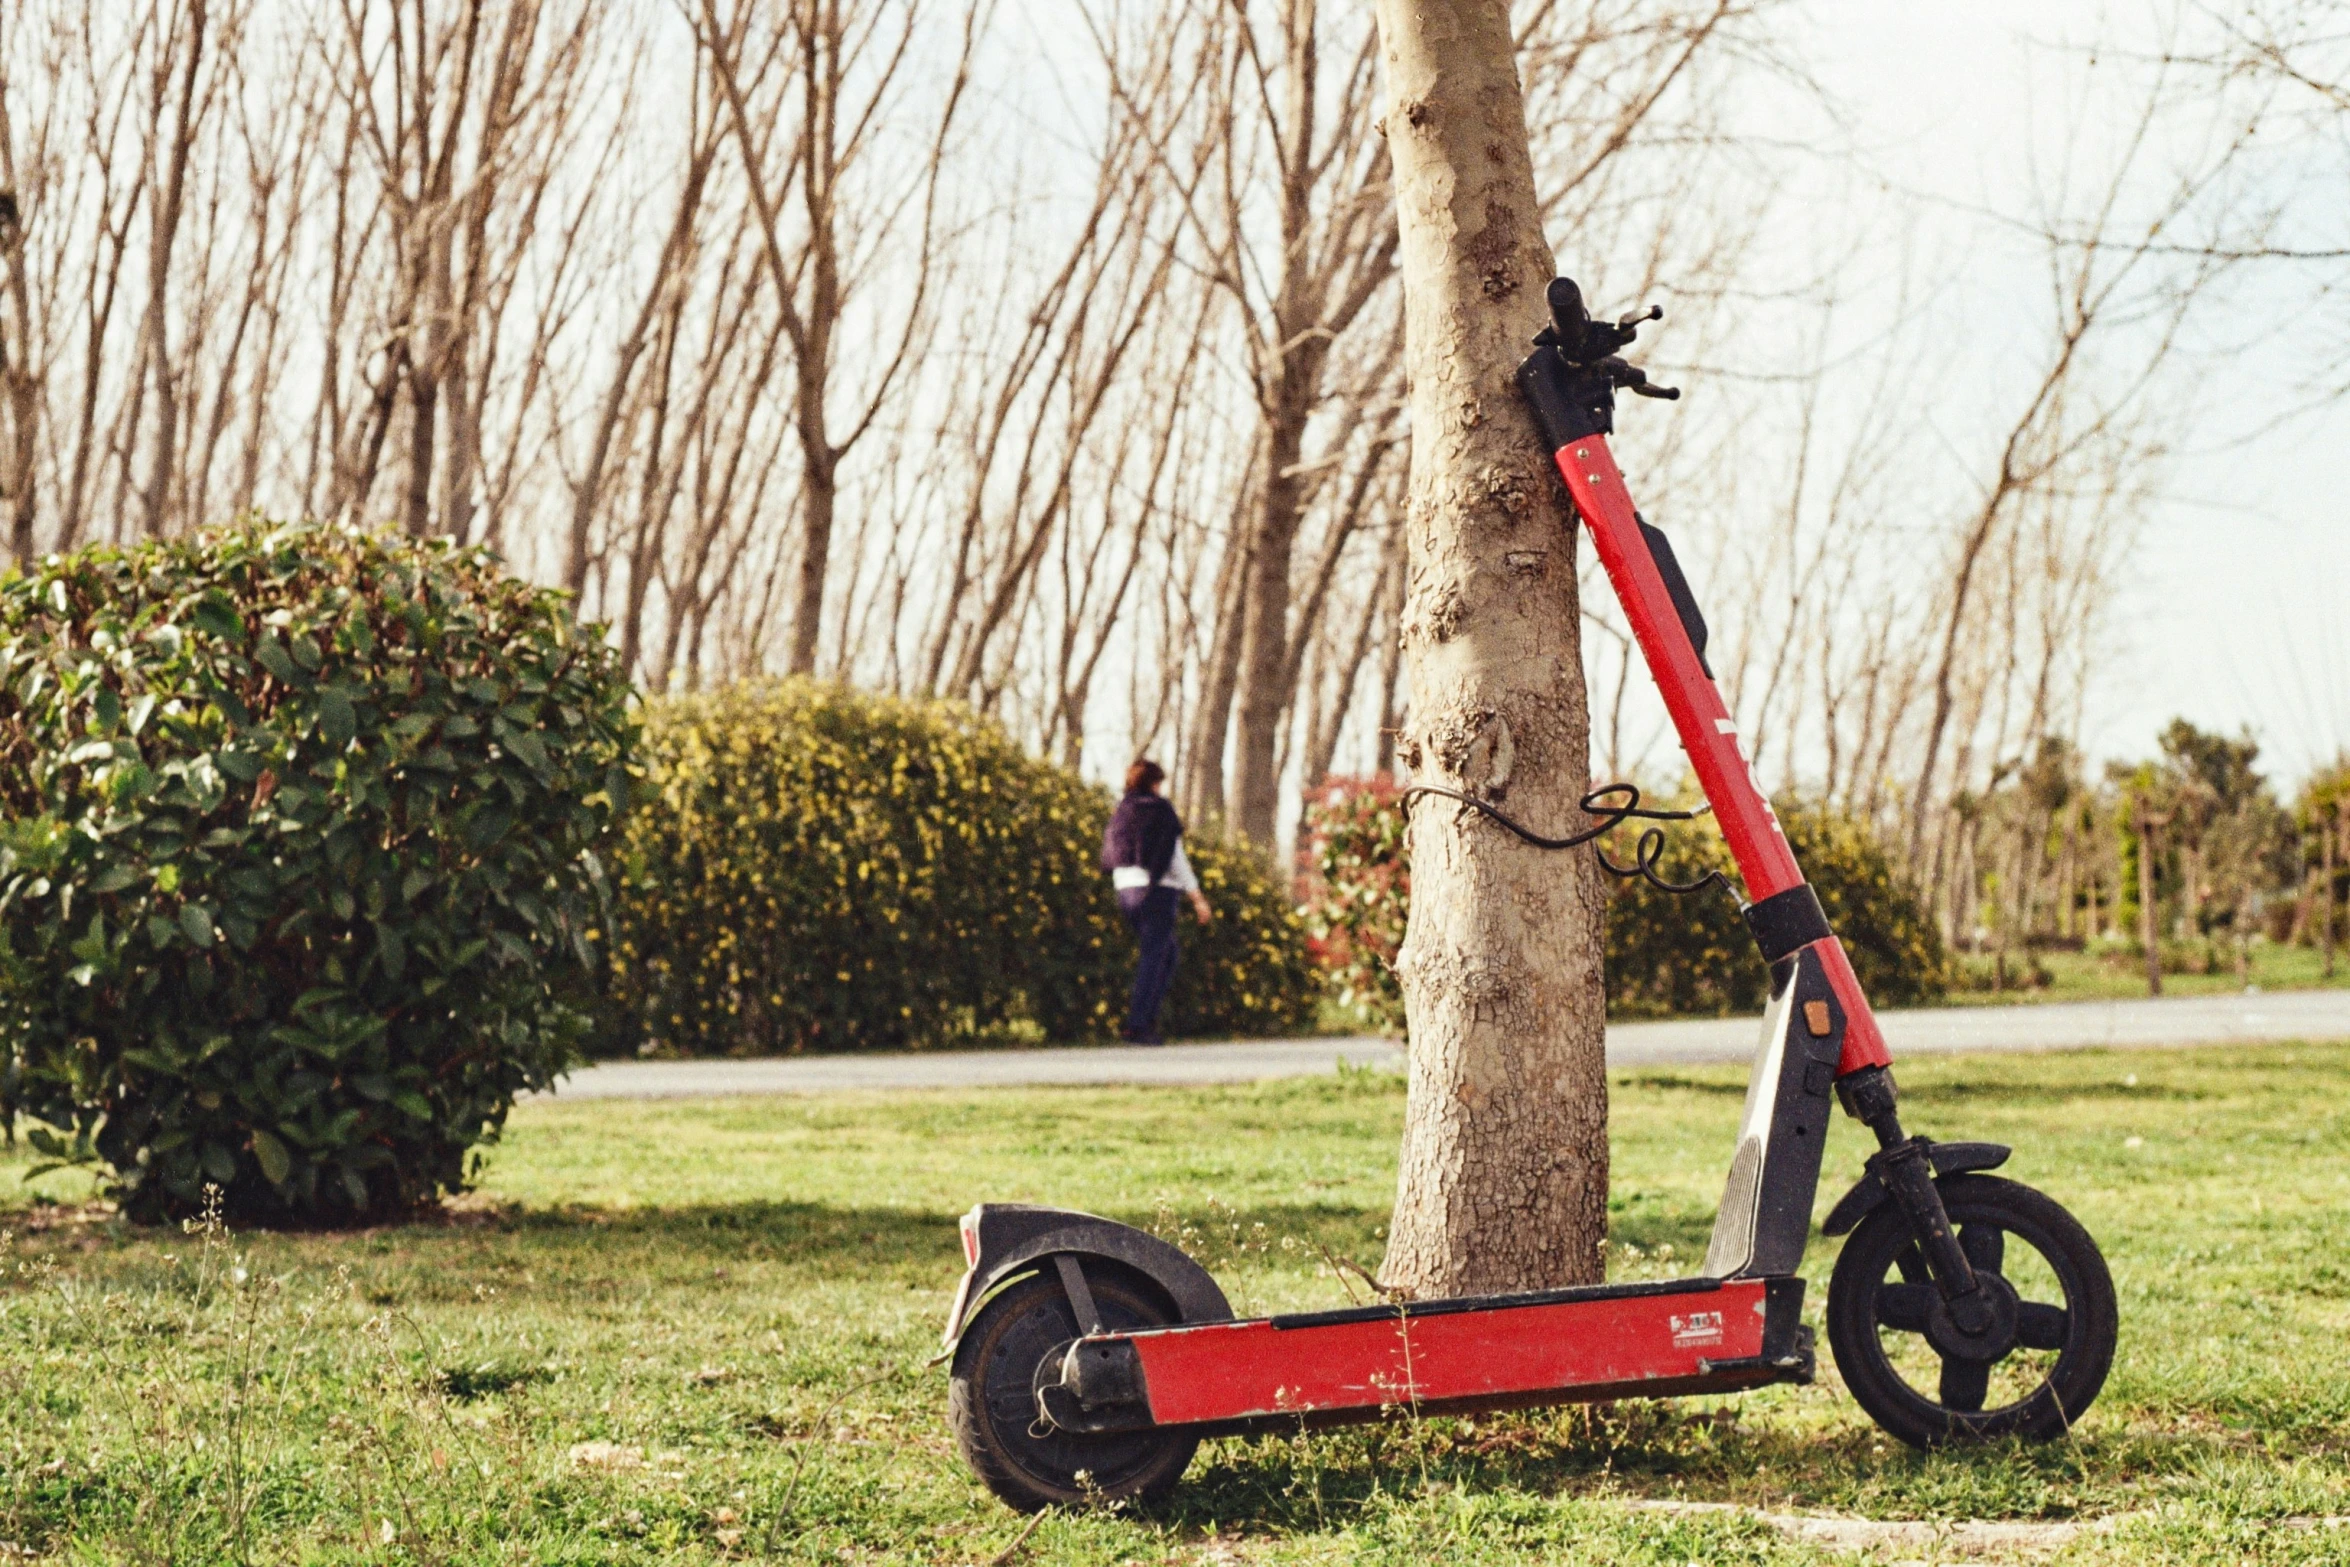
(1723, 726)
(1697, 1329)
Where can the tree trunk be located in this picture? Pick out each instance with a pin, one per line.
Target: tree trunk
(1204, 757)
(20, 380)
(818, 499)
(1266, 681)
(2325, 886)
(163, 231)
(1503, 1181)
(1391, 668)
(2146, 920)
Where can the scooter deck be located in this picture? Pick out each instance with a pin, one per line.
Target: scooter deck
(1489, 1352)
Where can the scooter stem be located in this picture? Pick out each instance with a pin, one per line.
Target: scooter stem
(1570, 382)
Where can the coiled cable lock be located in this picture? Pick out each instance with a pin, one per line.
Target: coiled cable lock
(1610, 813)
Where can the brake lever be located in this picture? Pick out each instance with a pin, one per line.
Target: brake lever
(1634, 379)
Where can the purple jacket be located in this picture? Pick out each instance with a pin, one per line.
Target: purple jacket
(1142, 831)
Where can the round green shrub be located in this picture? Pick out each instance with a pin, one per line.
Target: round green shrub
(298, 867)
(823, 869)
(1667, 955)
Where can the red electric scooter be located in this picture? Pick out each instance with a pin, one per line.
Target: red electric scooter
(1091, 1358)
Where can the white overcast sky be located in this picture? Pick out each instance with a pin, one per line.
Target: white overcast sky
(2236, 611)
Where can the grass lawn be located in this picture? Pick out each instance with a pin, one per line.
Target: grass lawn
(2102, 975)
(2119, 974)
(695, 1331)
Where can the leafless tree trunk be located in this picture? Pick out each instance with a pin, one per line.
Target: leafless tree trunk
(1503, 1182)
(22, 373)
(2330, 831)
(2149, 936)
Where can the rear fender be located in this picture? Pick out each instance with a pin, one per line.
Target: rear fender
(1003, 1238)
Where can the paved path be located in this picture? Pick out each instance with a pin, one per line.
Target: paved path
(2129, 1025)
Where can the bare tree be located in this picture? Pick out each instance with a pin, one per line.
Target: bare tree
(2106, 273)
(810, 118)
(1504, 1168)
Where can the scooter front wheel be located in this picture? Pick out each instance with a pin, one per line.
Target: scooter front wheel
(2031, 1372)
(991, 1399)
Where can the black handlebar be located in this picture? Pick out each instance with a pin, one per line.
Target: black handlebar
(1591, 345)
(1571, 379)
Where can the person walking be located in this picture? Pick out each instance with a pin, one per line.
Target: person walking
(1142, 849)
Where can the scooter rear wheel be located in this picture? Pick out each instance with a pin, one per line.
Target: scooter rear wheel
(991, 1399)
(2031, 1374)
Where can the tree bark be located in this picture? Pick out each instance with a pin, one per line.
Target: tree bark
(1503, 1180)
(163, 229)
(1266, 682)
(2325, 887)
(2146, 920)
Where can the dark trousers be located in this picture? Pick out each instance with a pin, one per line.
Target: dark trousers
(1151, 913)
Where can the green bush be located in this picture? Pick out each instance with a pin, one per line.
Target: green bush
(1667, 955)
(299, 862)
(822, 869)
(1249, 972)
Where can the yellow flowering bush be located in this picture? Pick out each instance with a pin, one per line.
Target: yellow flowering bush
(816, 868)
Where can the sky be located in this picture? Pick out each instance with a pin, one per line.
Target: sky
(2235, 608)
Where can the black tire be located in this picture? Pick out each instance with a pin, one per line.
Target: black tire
(991, 1399)
(2031, 1380)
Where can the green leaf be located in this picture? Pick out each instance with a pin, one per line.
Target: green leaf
(219, 1163)
(392, 949)
(196, 923)
(410, 1102)
(271, 655)
(528, 746)
(116, 878)
(276, 1165)
(217, 617)
(48, 1143)
(338, 721)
